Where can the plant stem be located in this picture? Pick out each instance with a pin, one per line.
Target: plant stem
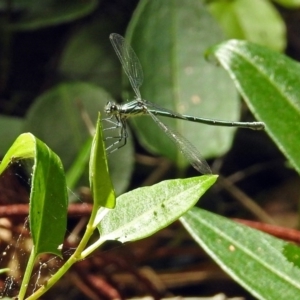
(27, 274)
(76, 256)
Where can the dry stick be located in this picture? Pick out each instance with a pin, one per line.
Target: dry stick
(245, 200)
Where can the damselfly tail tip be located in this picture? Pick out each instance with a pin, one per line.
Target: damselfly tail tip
(258, 126)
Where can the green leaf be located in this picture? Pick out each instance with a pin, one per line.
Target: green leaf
(22, 148)
(56, 118)
(34, 15)
(292, 254)
(101, 186)
(48, 195)
(256, 21)
(177, 77)
(252, 258)
(270, 84)
(144, 211)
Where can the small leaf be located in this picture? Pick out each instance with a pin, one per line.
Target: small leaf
(101, 186)
(252, 258)
(48, 195)
(270, 84)
(144, 211)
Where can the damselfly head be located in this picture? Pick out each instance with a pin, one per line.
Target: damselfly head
(111, 108)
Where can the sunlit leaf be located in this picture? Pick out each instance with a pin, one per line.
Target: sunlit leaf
(252, 258)
(144, 211)
(270, 84)
(48, 195)
(101, 186)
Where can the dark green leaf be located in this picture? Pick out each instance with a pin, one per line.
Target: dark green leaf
(178, 78)
(270, 84)
(252, 258)
(292, 253)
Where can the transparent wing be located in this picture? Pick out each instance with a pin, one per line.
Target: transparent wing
(188, 150)
(130, 62)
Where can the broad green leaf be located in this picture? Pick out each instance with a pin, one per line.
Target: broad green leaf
(34, 15)
(256, 21)
(177, 77)
(48, 195)
(10, 127)
(144, 211)
(270, 84)
(56, 118)
(100, 183)
(252, 258)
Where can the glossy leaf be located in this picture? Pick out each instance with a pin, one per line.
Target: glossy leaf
(56, 118)
(100, 183)
(48, 195)
(256, 21)
(177, 77)
(252, 258)
(144, 211)
(270, 84)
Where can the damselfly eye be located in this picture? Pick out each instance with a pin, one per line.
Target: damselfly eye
(110, 107)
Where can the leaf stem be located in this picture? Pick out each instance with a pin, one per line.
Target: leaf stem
(27, 274)
(75, 257)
